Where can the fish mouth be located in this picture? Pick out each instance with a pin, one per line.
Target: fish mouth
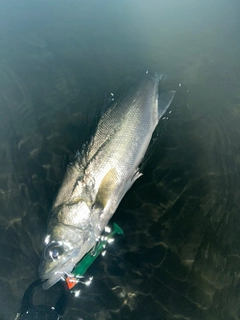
(55, 275)
(51, 271)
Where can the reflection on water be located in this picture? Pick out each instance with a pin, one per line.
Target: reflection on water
(179, 257)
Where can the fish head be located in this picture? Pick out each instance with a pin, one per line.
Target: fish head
(65, 247)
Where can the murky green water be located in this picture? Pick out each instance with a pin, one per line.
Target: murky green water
(180, 256)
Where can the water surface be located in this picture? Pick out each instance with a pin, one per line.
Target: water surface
(179, 258)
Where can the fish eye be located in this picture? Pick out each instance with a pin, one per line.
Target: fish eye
(53, 251)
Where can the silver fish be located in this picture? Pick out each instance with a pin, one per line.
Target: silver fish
(100, 176)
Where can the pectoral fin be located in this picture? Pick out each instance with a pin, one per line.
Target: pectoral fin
(105, 189)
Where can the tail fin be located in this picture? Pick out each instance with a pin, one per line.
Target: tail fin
(164, 101)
